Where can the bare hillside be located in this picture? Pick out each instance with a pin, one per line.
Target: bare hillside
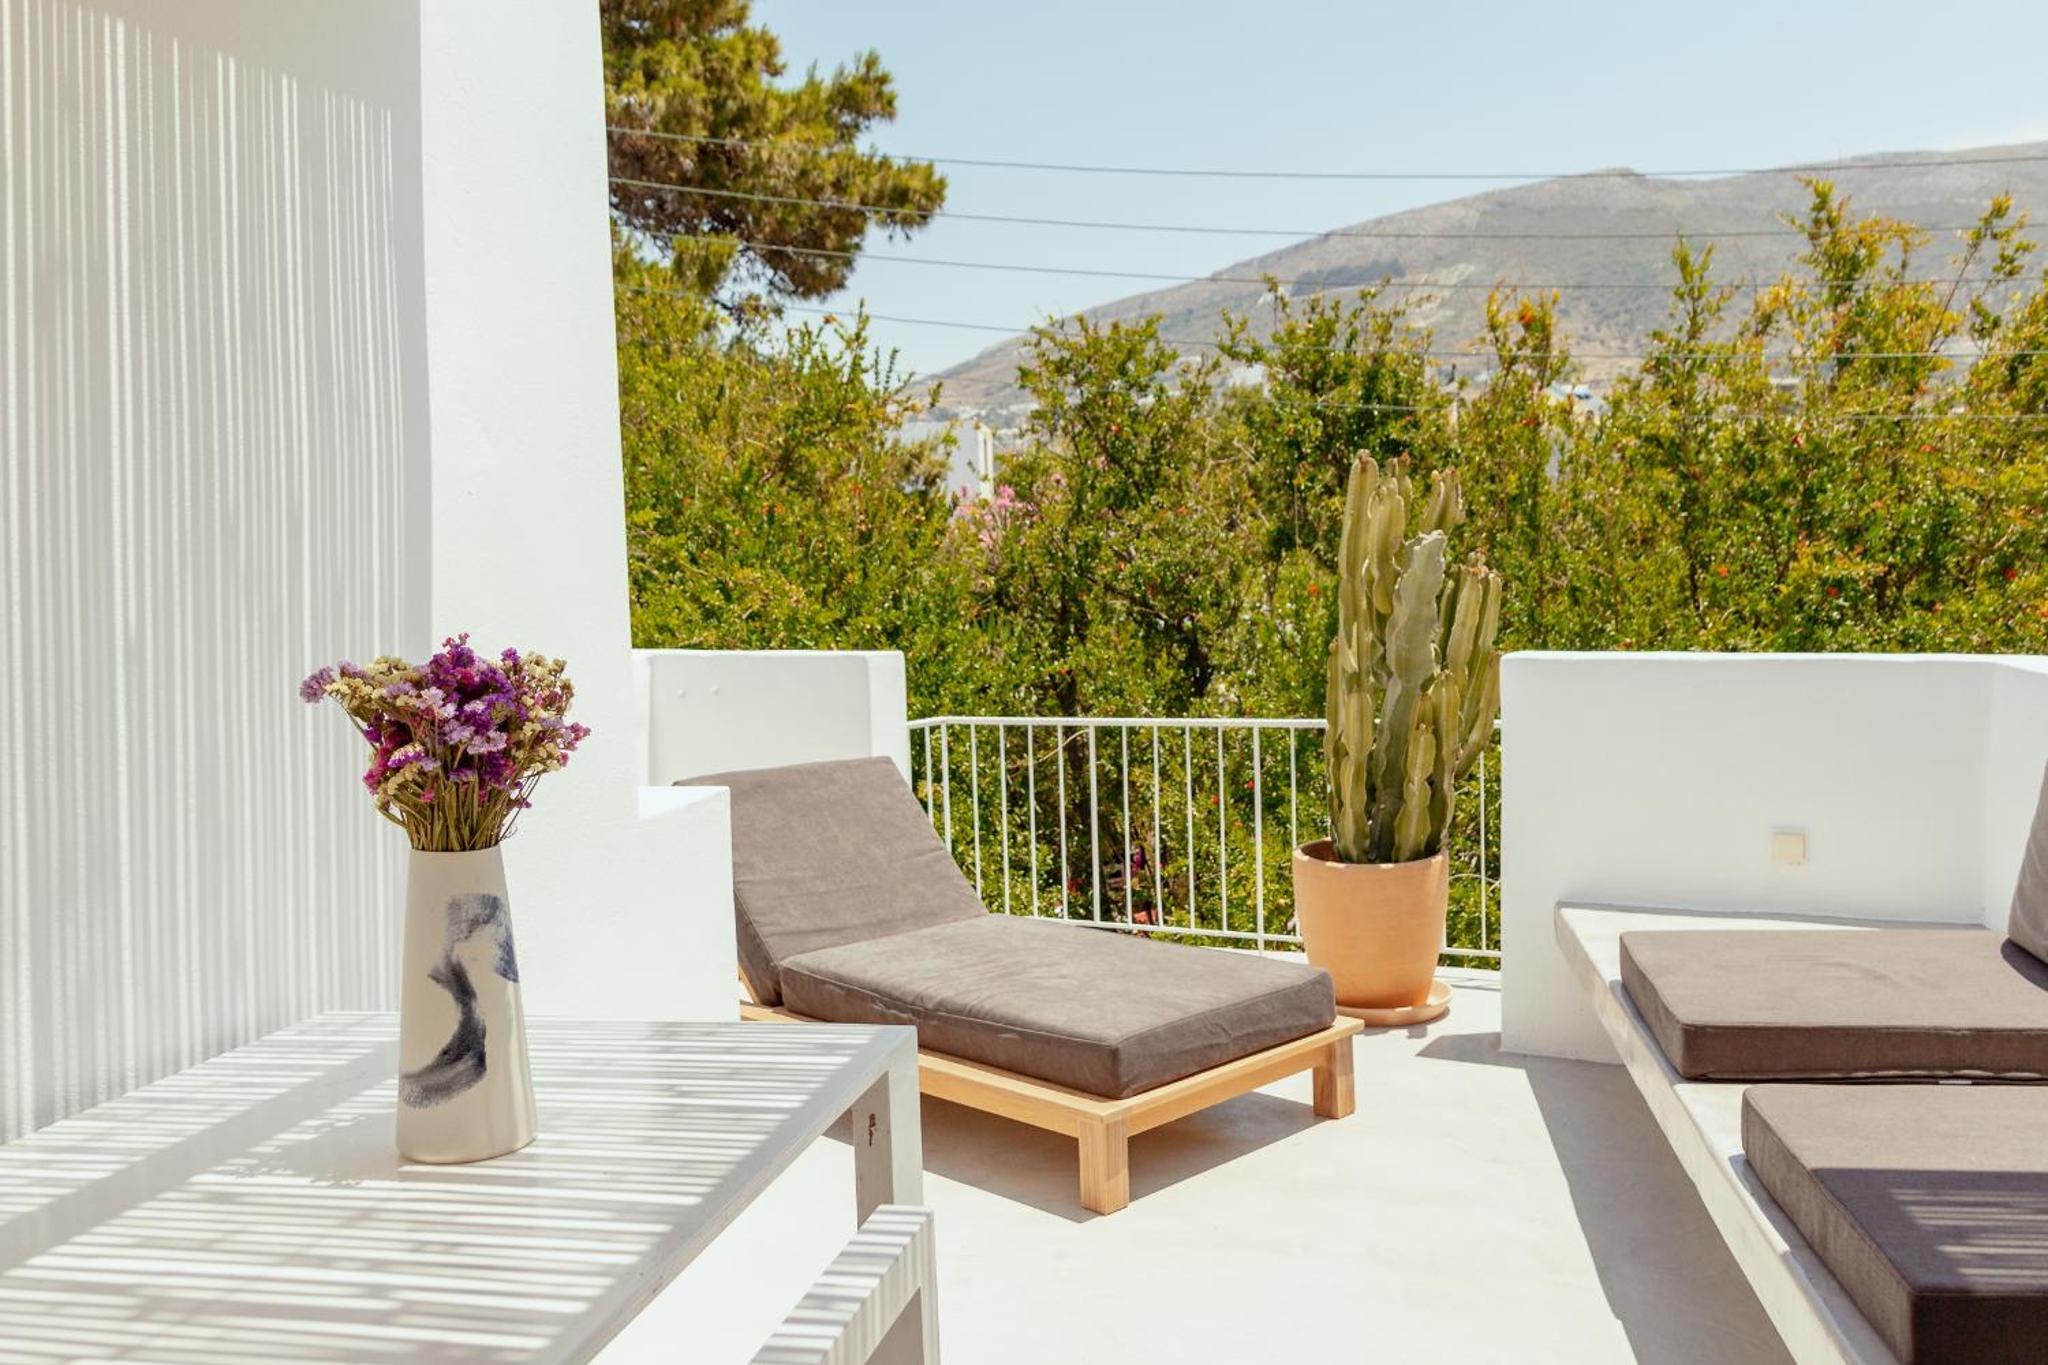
(1446, 277)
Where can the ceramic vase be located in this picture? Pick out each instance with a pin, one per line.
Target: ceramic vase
(464, 1090)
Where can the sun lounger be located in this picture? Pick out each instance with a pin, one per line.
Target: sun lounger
(849, 909)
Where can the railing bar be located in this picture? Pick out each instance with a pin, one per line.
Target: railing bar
(1187, 760)
(1031, 799)
(1066, 872)
(1094, 828)
(1484, 759)
(1222, 830)
(1258, 840)
(974, 797)
(931, 810)
(1003, 819)
(1293, 798)
(1244, 935)
(1130, 867)
(1109, 722)
(946, 793)
(937, 772)
(1158, 843)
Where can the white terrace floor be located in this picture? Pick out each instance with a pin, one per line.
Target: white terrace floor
(1477, 1207)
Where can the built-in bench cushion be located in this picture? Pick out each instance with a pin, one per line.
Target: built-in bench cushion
(1840, 1004)
(831, 853)
(1928, 1202)
(1089, 1009)
(2028, 923)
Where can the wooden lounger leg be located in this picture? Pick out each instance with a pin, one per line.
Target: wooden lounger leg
(1335, 1094)
(1105, 1165)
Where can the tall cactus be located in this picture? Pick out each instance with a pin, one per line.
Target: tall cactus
(1414, 677)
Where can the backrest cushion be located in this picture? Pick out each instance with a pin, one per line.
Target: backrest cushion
(2028, 923)
(830, 853)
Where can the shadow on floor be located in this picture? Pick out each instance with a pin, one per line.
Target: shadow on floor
(1041, 1169)
(1663, 1266)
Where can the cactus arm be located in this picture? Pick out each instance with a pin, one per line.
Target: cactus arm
(1348, 729)
(1335, 760)
(1386, 533)
(1411, 663)
(1476, 726)
(1445, 509)
(1412, 821)
(1465, 591)
(1365, 476)
(1445, 697)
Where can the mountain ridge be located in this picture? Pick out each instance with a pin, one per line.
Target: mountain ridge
(1559, 232)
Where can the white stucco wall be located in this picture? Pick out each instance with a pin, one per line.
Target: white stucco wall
(2015, 739)
(212, 417)
(711, 711)
(622, 898)
(305, 353)
(1647, 779)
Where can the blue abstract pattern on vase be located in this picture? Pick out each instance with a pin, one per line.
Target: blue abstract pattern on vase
(462, 1060)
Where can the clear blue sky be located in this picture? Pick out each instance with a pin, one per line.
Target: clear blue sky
(1483, 85)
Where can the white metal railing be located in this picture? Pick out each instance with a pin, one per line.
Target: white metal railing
(1055, 817)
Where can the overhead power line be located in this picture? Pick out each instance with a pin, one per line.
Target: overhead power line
(1397, 281)
(812, 149)
(1760, 414)
(1465, 354)
(1736, 413)
(1365, 234)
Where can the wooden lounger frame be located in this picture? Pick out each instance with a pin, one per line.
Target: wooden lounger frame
(1104, 1127)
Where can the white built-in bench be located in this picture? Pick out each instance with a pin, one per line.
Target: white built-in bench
(1702, 1120)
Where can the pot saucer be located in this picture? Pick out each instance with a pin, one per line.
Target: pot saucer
(1438, 1003)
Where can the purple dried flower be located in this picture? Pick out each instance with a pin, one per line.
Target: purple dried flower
(494, 724)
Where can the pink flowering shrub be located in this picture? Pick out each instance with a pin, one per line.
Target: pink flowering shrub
(989, 521)
(456, 743)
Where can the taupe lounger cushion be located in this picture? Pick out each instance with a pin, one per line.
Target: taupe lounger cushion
(1089, 1009)
(831, 853)
(1840, 1004)
(2028, 923)
(1928, 1202)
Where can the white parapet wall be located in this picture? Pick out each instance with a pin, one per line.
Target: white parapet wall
(306, 353)
(1660, 779)
(622, 895)
(713, 710)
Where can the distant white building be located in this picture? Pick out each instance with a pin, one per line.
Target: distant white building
(970, 460)
(973, 464)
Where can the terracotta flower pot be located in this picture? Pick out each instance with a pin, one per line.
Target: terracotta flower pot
(1375, 927)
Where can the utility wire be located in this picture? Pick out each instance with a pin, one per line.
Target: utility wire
(1230, 174)
(1759, 415)
(1467, 354)
(1374, 234)
(1323, 284)
(1735, 414)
